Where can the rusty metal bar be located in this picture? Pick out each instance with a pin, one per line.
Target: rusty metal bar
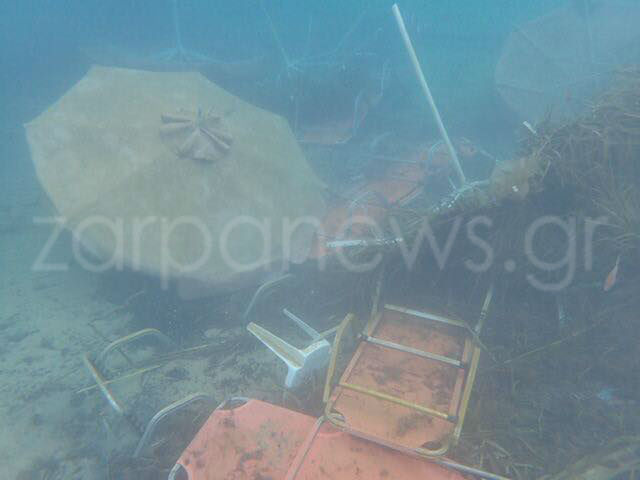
(399, 401)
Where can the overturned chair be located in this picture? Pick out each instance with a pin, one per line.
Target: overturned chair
(301, 363)
(98, 368)
(408, 384)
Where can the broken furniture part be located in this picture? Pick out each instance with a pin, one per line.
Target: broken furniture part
(99, 378)
(100, 381)
(145, 432)
(165, 412)
(96, 368)
(301, 363)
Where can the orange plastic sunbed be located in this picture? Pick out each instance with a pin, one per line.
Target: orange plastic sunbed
(260, 441)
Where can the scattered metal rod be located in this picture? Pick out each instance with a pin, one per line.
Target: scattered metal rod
(445, 462)
(414, 351)
(363, 242)
(475, 332)
(399, 401)
(427, 92)
(100, 381)
(529, 127)
(485, 310)
(377, 293)
(116, 344)
(426, 315)
(123, 377)
(157, 362)
(164, 359)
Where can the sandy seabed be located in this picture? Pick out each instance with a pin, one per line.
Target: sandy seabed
(48, 321)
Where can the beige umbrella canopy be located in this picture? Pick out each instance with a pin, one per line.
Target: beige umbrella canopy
(169, 174)
(554, 65)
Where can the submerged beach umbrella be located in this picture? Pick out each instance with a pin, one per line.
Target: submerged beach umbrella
(555, 64)
(169, 174)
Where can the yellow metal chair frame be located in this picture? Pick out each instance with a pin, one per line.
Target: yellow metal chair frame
(472, 350)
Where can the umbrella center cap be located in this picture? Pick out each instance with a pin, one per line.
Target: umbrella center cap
(200, 136)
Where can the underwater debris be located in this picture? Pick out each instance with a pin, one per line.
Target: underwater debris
(427, 93)
(611, 279)
(538, 74)
(107, 147)
(301, 363)
(590, 163)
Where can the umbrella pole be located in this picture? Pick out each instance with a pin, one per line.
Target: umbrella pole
(427, 92)
(176, 26)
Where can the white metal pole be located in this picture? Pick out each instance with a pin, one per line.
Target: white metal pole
(425, 88)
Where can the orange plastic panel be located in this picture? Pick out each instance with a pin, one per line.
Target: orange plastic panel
(336, 455)
(254, 441)
(407, 376)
